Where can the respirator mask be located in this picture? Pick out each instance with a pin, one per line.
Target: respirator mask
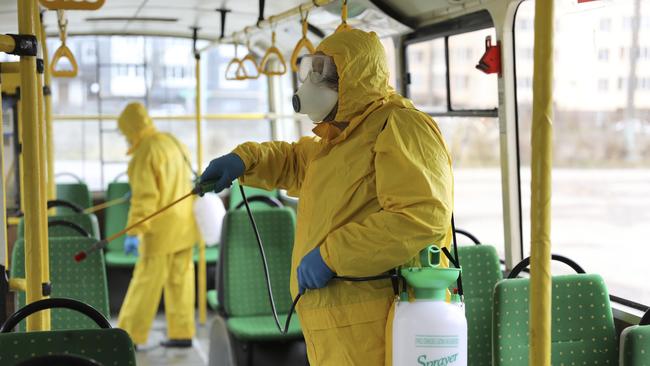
(317, 96)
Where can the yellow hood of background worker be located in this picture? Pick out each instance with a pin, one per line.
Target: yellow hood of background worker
(372, 195)
(158, 175)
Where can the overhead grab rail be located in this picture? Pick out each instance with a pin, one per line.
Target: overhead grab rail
(278, 18)
(303, 42)
(63, 51)
(72, 4)
(271, 53)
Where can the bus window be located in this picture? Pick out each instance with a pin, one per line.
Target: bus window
(601, 174)
(473, 141)
(159, 72)
(466, 82)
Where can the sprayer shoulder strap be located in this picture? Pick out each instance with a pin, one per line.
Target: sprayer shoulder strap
(183, 153)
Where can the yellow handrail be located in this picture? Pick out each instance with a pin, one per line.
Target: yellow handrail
(271, 52)
(202, 285)
(63, 52)
(10, 67)
(42, 168)
(540, 322)
(304, 42)
(7, 43)
(49, 137)
(72, 4)
(34, 215)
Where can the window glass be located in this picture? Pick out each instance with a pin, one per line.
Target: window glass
(601, 173)
(426, 67)
(469, 87)
(474, 147)
(159, 72)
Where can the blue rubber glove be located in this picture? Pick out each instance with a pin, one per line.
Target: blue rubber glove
(313, 272)
(223, 170)
(131, 244)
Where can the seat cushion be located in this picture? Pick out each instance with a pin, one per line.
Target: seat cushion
(263, 327)
(635, 346)
(213, 300)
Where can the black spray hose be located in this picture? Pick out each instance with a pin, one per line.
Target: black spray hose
(268, 278)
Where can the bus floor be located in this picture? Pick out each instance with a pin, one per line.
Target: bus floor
(152, 354)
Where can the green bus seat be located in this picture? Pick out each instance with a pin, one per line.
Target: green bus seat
(84, 281)
(86, 221)
(77, 193)
(481, 272)
(105, 346)
(635, 344)
(236, 198)
(242, 293)
(213, 301)
(583, 330)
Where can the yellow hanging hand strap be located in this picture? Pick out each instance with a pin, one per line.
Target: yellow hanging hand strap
(234, 66)
(63, 52)
(344, 18)
(242, 74)
(304, 42)
(273, 51)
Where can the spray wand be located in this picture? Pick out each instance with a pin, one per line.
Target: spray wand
(199, 189)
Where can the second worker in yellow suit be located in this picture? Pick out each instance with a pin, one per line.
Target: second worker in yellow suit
(375, 187)
(158, 174)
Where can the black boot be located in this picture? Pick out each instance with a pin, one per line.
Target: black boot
(177, 343)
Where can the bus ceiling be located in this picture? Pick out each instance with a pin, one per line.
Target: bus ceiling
(168, 18)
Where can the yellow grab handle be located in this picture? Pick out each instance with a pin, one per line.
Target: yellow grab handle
(273, 51)
(17, 284)
(302, 43)
(269, 53)
(64, 52)
(233, 74)
(243, 74)
(72, 4)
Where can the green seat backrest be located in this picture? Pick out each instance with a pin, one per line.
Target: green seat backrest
(481, 271)
(77, 193)
(635, 346)
(84, 281)
(106, 346)
(86, 221)
(236, 198)
(582, 323)
(116, 216)
(243, 285)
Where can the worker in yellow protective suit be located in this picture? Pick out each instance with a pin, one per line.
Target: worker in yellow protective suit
(158, 174)
(375, 187)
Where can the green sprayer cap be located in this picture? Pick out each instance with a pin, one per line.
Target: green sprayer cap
(430, 281)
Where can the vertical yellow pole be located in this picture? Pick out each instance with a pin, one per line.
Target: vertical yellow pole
(34, 241)
(541, 167)
(202, 285)
(42, 157)
(4, 250)
(47, 94)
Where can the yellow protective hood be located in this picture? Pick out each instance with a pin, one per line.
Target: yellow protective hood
(363, 80)
(135, 124)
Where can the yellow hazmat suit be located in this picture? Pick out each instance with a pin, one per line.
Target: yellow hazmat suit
(371, 195)
(158, 174)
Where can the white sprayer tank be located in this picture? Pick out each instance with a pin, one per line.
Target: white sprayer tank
(429, 333)
(427, 330)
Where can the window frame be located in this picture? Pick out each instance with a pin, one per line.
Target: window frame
(465, 24)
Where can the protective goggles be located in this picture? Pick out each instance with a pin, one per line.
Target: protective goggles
(317, 68)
